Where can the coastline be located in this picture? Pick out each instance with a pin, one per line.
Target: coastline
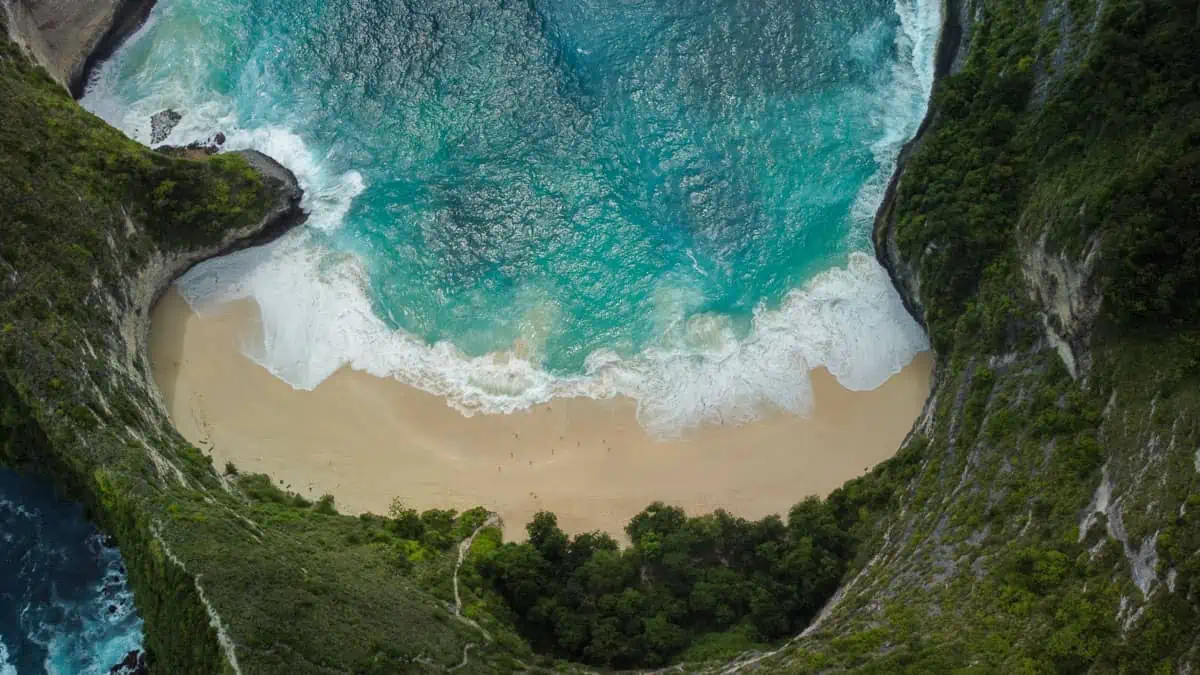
(367, 440)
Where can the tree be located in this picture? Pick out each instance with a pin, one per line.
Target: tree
(658, 520)
(547, 538)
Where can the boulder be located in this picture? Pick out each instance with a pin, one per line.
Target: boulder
(134, 663)
(162, 123)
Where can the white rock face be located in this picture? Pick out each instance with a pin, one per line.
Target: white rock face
(1064, 290)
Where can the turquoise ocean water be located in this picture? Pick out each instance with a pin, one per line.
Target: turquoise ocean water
(512, 201)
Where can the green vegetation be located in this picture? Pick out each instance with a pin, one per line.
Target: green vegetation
(585, 599)
(691, 588)
(1074, 124)
(1111, 156)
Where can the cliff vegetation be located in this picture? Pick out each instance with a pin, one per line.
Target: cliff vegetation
(1044, 227)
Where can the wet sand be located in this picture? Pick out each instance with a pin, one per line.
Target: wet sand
(367, 440)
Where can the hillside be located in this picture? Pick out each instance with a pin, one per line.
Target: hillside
(1044, 227)
(230, 574)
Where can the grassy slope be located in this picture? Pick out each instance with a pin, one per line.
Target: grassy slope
(991, 562)
(82, 210)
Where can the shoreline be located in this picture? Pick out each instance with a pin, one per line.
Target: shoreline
(367, 440)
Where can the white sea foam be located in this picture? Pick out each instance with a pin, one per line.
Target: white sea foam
(6, 667)
(317, 316)
(899, 108)
(98, 632)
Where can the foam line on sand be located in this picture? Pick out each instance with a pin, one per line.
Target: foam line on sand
(367, 440)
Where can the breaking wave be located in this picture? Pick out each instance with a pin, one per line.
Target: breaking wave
(434, 260)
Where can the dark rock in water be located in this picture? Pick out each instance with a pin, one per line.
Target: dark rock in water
(195, 149)
(134, 663)
(162, 124)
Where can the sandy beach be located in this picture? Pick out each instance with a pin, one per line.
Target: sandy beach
(367, 440)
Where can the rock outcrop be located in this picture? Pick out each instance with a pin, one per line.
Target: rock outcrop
(71, 37)
(162, 123)
(134, 663)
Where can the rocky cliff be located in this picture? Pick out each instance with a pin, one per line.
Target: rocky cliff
(69, 37)
(1044, 516)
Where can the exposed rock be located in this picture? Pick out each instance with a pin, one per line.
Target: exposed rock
(69, 38)
(195, 149)
(162, 269)
(162, 123)
(1065, 289)
(134, 663)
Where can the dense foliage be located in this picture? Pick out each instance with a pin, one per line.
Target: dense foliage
(1109, 156)
(686, 587)
(585, 599)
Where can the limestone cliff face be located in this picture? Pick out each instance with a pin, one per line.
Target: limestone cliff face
(1065, 289)
(69, 37)
(164, 266)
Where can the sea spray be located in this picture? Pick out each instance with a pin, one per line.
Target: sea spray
(6, 668)
(634, 199)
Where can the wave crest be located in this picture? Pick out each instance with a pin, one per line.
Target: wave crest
(317, 318)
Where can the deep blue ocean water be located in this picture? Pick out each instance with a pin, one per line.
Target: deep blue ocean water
(65, 607)
(513, 201)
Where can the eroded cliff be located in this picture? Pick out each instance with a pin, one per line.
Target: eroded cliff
(69, 37)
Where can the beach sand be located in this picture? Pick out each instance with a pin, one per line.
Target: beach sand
(367, 440)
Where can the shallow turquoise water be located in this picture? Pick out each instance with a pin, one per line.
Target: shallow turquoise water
(646, 197)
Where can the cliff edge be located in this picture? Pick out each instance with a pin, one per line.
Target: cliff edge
(70, 37)
(1042, 515)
